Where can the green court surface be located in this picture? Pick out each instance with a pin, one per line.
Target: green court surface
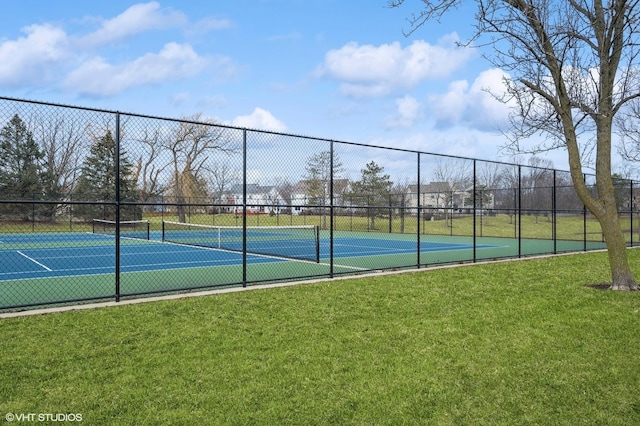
(47, 268)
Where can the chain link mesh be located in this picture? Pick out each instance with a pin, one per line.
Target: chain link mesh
(86, 195)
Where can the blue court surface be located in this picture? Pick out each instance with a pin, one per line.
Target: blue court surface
(25, 256)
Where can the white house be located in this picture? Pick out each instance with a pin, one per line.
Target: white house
(266, 199)
(442, 196)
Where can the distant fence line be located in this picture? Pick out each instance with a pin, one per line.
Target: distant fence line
(65, 167)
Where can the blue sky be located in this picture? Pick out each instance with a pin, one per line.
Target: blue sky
(337, 69)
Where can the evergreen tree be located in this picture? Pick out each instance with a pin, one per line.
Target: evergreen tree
(21, 172)
(375, 187)
(98, 182)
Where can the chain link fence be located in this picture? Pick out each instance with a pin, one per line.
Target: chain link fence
(100, 205)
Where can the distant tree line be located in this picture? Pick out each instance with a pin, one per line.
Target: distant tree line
(49, 162)
(56, 160)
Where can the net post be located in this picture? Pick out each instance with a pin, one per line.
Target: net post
(317, 239)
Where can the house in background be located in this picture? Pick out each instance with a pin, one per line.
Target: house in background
(285, 199)
(260, 199)
(441, 197)
(435, 196)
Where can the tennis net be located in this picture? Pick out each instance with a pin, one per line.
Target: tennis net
(295, 242)
(130, 228)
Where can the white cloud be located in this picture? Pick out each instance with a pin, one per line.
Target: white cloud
(49, 57)
(408, 111)
(205, 25)
(98, 77)
(179, 98)
(451, 106)
(457, 141)
(367, 70)
(474, 105)
(30, 58)
(136, 19)
(260, 119)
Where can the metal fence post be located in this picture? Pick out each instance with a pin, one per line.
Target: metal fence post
(331, 211)
(117, 201)
(244, 208)
(584, 221)
(475, 212)
(554, 215)
(519, 211)
(418, 212)
(631, 203)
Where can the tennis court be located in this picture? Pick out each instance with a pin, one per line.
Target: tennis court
(28, 256)
(41, 268)
(48, 267)
(261, 206)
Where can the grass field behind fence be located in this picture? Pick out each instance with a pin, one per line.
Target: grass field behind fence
(525, 342)
(568, 227)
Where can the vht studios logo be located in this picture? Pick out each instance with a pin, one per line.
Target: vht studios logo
(43, 417)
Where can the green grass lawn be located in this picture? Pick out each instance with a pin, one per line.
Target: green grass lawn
(525, 342)
(569, 227)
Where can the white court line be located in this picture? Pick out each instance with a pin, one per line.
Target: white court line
(286, 259)
(239, 252)
(355, 268)
(34, 261)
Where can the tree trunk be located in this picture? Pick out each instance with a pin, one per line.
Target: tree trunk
(621, 275)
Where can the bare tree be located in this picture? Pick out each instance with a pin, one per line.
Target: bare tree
(629, 132)
(489, 174)
(149, 166)
(574, 67)
(285, 190)
(508, 200)
(221, 177)
(537, 186)
(456, 175)
(318, 177)
(191, 147)
(63, 142)
(399, 200)
(489, 177)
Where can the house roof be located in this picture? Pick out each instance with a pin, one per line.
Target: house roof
(252, 188)
(431, 187)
